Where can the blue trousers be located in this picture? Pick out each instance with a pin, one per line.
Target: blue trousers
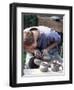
(54, 55)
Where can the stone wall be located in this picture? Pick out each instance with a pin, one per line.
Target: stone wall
(46, 21)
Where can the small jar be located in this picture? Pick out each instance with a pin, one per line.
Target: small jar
(44, 67)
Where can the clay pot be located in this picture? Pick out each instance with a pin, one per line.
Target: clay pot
(44, 67)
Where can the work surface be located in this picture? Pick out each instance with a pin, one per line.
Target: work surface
(37, 72)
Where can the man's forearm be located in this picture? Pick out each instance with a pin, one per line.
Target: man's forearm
(51, 46)
(30, 50)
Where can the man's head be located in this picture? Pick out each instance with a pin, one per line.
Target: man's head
(30, 39)
(29, 42)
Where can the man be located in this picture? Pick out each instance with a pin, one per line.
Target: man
(43, 39)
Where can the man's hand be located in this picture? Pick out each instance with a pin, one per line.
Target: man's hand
(50, 47)
(37, 54)
(45, 52)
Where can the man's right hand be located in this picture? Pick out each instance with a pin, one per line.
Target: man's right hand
(37, 54)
